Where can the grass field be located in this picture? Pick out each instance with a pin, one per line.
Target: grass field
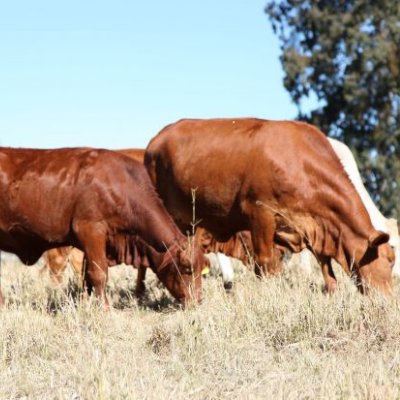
(277, 339)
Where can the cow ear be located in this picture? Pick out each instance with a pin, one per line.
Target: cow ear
(377, 238)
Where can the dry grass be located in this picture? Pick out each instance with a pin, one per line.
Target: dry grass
(279, 339)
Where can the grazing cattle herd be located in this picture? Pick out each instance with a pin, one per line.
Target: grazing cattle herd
(262, 188)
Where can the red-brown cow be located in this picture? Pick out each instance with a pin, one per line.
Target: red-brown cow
(57, 259)
(100, 202)
(279, 179)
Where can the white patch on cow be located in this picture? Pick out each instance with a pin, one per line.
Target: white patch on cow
(220, 264)
(226, 267)
(350, 166)
(214, 265)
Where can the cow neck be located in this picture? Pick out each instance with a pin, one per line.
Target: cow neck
(350, 167)
(339, 204)
(343, 223)
(354, 229)
(165, 239)
(157, 227)
(354, 249)
(336, 241)
(157, 235)
(169, 257)
(159, 260)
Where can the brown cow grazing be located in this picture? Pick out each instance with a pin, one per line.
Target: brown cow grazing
(100, 202)
(282, 181)
(57, 259)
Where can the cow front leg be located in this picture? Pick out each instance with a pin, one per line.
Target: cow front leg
(96, 268)
(140, 289)
(328, 274)
(262, 227)
(95, 278)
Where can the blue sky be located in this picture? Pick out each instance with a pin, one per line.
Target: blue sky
(113, 73)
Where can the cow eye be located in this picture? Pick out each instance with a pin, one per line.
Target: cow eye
(188, 270)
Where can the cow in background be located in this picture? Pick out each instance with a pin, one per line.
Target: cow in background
(282, 181)
(57, 260)
(100, 202)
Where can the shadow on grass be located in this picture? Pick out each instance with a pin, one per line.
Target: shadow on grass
(56, 300)
(126, 298)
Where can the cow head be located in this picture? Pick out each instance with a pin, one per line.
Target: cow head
(375, 267)
(180, 271)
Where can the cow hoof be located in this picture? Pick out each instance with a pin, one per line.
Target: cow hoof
(228, 286)
(140, 294)
(330, 289)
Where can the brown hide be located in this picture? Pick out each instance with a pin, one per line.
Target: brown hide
(281, 180)
(57, 259)
(136, 154)
(98, 201)
(238, 246)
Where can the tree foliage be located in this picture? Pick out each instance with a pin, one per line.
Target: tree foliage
(346, 53)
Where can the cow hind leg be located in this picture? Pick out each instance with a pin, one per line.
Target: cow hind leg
(57, 269)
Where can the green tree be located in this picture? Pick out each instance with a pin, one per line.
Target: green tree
(346, 54)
